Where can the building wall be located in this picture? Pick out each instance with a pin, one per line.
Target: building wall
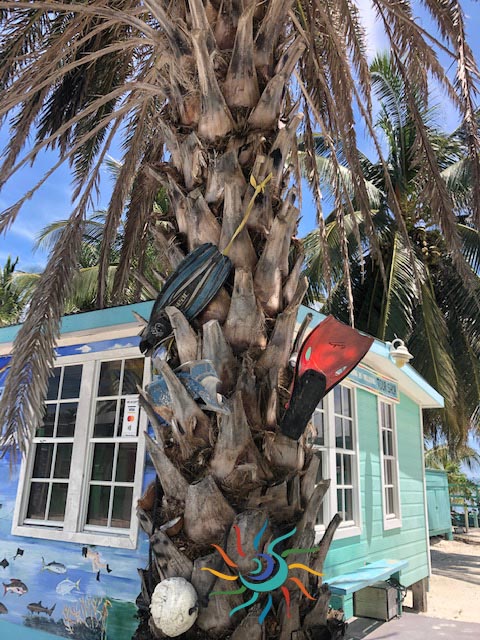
(408, 542)
(118, 590)
(84, 594)
(113, 593)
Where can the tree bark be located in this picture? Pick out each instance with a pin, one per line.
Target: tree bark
(230, 127)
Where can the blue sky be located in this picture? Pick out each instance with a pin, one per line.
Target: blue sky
(52, 202)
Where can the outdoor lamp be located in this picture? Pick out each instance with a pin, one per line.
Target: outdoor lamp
(399, 353)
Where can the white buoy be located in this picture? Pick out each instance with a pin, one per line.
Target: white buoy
(174, 606)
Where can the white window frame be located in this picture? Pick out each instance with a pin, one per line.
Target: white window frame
(73, 527)
(353, 527)
(390, 521)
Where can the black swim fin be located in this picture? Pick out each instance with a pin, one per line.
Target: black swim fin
(192, 285)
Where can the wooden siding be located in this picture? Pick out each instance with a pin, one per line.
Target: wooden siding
(409, 542)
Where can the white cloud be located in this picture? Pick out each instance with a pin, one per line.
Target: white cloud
(84, 348)
(376, 36)
(123, 346)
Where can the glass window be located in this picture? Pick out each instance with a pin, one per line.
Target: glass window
(52, 447)
(334, 443)
(86, 446)
(114, 452)
(391, 497)
(345, 452)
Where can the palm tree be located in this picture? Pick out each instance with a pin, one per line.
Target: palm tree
(440, 457)
(11, 302)
(210, 96)
(146, 273)
(427, 295)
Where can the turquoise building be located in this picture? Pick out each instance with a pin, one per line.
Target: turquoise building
(71, 544)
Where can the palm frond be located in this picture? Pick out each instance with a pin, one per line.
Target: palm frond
(471, 246)
(429, 346)
(440, 457)
(400, 296)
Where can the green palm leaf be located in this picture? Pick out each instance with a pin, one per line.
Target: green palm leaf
(429, 345)
(400, 295)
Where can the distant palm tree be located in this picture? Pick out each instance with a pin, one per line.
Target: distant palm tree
(460, 486)
(146, 274)
(12, 302)
(84, 287)
(440, 457)
(426, 295)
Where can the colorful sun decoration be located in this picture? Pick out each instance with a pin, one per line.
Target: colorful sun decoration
(271, 572)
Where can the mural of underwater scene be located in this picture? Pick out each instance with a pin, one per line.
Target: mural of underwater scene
(76, 591)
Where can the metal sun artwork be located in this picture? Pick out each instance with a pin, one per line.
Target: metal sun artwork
(271, 572)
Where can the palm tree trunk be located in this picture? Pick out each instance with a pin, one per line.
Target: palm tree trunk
(225, 473)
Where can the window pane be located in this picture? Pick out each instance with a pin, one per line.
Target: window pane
(98, 506)
(132, 375)
(67, 415)
(105, 419)
(109, 383)
(103, 461)
(71, 381)
(58, 499)
(347, 469)
(346, 403)
(347, 432)
(340, 502)
(348, 504)
(339, 469)
(318, 423)
(43, 460)
(388, 471)
(63, 460)
(122, 507)
(53, 382)
(126, 463)
(320, 468)
(337, 395)
(120, 417)
(338, 433)
(387, 443)
(46, 429)
(388, 416)
(38, 500)
(390, 501)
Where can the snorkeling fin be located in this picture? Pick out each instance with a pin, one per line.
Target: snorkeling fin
(192, 285)
(328, 354)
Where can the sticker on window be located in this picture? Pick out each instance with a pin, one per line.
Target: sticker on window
(130, 417)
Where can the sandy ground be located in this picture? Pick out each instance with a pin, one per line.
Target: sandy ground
(455, 582)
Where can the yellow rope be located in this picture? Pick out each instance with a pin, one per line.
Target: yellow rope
(259, 188)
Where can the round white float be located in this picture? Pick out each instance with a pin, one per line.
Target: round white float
(174, 606)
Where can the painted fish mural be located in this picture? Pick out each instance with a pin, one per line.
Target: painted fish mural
(37, 607)
(67, 586)
(66, 597)
(54, 567)
(15, 586)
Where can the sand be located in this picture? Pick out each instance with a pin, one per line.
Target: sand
(455, 582)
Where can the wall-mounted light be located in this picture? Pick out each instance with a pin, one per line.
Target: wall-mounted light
(399, 353)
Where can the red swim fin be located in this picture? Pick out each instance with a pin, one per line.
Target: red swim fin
(334, 349)
(328, 354)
